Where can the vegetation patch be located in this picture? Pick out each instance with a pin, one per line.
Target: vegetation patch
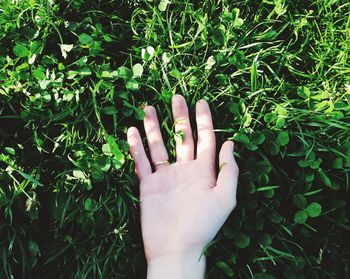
(74, 75)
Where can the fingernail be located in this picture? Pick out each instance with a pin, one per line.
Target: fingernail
(147, 111)
(131, 132)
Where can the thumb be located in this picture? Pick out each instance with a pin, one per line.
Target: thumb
(226, 185)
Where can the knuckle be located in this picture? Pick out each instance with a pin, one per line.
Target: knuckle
(231, 204)
(234, 203)
(182, 124)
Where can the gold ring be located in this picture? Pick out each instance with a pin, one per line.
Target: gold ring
(161, 163)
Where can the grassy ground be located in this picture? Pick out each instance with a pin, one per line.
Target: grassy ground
(75, 74)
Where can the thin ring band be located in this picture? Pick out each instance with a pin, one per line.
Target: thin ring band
(161, 163)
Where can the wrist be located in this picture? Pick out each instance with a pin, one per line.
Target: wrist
(180, 265)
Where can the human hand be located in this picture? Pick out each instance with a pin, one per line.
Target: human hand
(183, 205)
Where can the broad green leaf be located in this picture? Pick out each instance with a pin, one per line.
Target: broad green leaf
(10, 150)
(167, 95)
(115, 149)
(175, 73)
(85, 39)
(281, 110)
(104, 163)
(316, 164)
(110, 110)
(116, 164)
(227, 16)
(39, 74)
(258, 138)
(280, 122)
(314, 209)
(225, 268)
(97, 175)
(85, 71)
(89, 204)
(304, 92)
(300, 217)
(242, 240)
(124, 72)
(328, 105)
(219, 36)
(132, 84)
(275, 217)
(87, 184)
(269, 193)
(163, 4)
(241, 137)
(270, 117)
(265, 240)
(337, 163)
(250, 187)
(20, 51)
(310, 177)
(282, 138)
(237, 20)
(273, 149)
(299, 201)
(251, 146)
(107, 38)
(247, 119)
(107, 150)
(139, 114)
(229, 233)
(263, 167)
(304, 163)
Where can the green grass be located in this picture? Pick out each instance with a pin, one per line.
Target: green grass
(75, 74)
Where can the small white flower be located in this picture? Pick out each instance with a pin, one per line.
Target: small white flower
(347, 88)
(65, 49)
(210, 63)
(166, 58)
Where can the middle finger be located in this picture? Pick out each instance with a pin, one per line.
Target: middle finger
(184, 138)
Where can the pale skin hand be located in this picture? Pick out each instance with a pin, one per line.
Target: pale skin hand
(183, 204)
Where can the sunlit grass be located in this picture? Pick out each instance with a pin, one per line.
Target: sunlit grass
(74, 75)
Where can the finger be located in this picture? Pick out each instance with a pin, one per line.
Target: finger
(206, 136)
(137, 151)
(184, 140)
(154, 137)
(226, 185)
